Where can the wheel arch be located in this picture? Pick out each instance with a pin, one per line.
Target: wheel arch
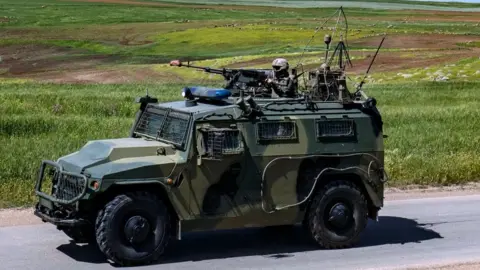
(355, 177)
(116, 189)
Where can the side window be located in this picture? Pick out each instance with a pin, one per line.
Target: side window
(334, 128)
(276, 130)
(217, 142)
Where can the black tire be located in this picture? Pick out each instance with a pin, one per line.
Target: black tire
(112, 235)
(326, 233)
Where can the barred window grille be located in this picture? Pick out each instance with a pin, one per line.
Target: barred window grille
(163, 124)
(174, 129)
(335, 128)
(281, 130)
(150, 121)
(220, 142)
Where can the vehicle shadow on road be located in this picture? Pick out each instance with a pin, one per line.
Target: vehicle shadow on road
(396, 230)
(275, 243)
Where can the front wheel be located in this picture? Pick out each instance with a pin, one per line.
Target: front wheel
(133, 228)
(337, 215)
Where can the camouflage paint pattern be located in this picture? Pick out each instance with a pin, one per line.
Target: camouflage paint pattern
(265, 182)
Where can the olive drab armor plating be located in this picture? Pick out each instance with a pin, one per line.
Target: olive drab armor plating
(225, 158)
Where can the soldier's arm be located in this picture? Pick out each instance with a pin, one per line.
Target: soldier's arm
(292, 85)
(273, 85)
(269, 83)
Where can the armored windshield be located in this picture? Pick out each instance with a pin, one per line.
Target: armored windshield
(164, 124)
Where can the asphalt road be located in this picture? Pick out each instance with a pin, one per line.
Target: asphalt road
(409, 232)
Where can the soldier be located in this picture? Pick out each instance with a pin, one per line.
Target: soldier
(279, 82)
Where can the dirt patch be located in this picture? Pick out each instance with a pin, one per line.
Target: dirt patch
(121, 33)
(415, 41)
(426, 18)
(12, 53)
(442, 14)
(388, 62)
(42, 66)
(444, 46)
(385, 62)
(63, 65)
(35, 58)
(37, 61)
(107, 76)
(18, 216)
(414, 191)
(84, 70)
(425, 15)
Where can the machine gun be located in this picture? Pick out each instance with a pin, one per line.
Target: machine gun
(250, 81)
(247, 80)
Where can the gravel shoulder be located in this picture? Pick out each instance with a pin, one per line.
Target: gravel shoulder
(24, 216)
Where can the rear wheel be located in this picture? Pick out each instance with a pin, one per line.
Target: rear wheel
(133, 228)
(337, 215)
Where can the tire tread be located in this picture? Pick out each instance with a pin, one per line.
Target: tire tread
(319, 237)
(103, 222)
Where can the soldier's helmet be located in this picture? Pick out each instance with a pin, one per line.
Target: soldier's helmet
(280, 64)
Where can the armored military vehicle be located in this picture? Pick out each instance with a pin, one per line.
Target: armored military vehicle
(215, 161)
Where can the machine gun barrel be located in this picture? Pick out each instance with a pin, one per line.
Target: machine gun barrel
(227, 73)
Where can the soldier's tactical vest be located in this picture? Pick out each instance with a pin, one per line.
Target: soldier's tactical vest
(282, 83)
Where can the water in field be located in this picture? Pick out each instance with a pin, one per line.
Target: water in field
(333, 4)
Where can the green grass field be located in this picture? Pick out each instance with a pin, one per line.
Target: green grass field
(69, 73)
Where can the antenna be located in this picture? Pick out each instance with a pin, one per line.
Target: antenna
(359, 88)
(327, 39)
(341, 49)
(340, 11)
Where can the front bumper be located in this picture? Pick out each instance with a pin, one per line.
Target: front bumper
(62, 221)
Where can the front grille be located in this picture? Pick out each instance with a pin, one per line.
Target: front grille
(67, 187)
(58, 185)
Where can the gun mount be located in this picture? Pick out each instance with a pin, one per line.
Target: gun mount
(251, 81)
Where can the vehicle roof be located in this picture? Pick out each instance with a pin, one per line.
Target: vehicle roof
(202, 108)
(227, 107)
